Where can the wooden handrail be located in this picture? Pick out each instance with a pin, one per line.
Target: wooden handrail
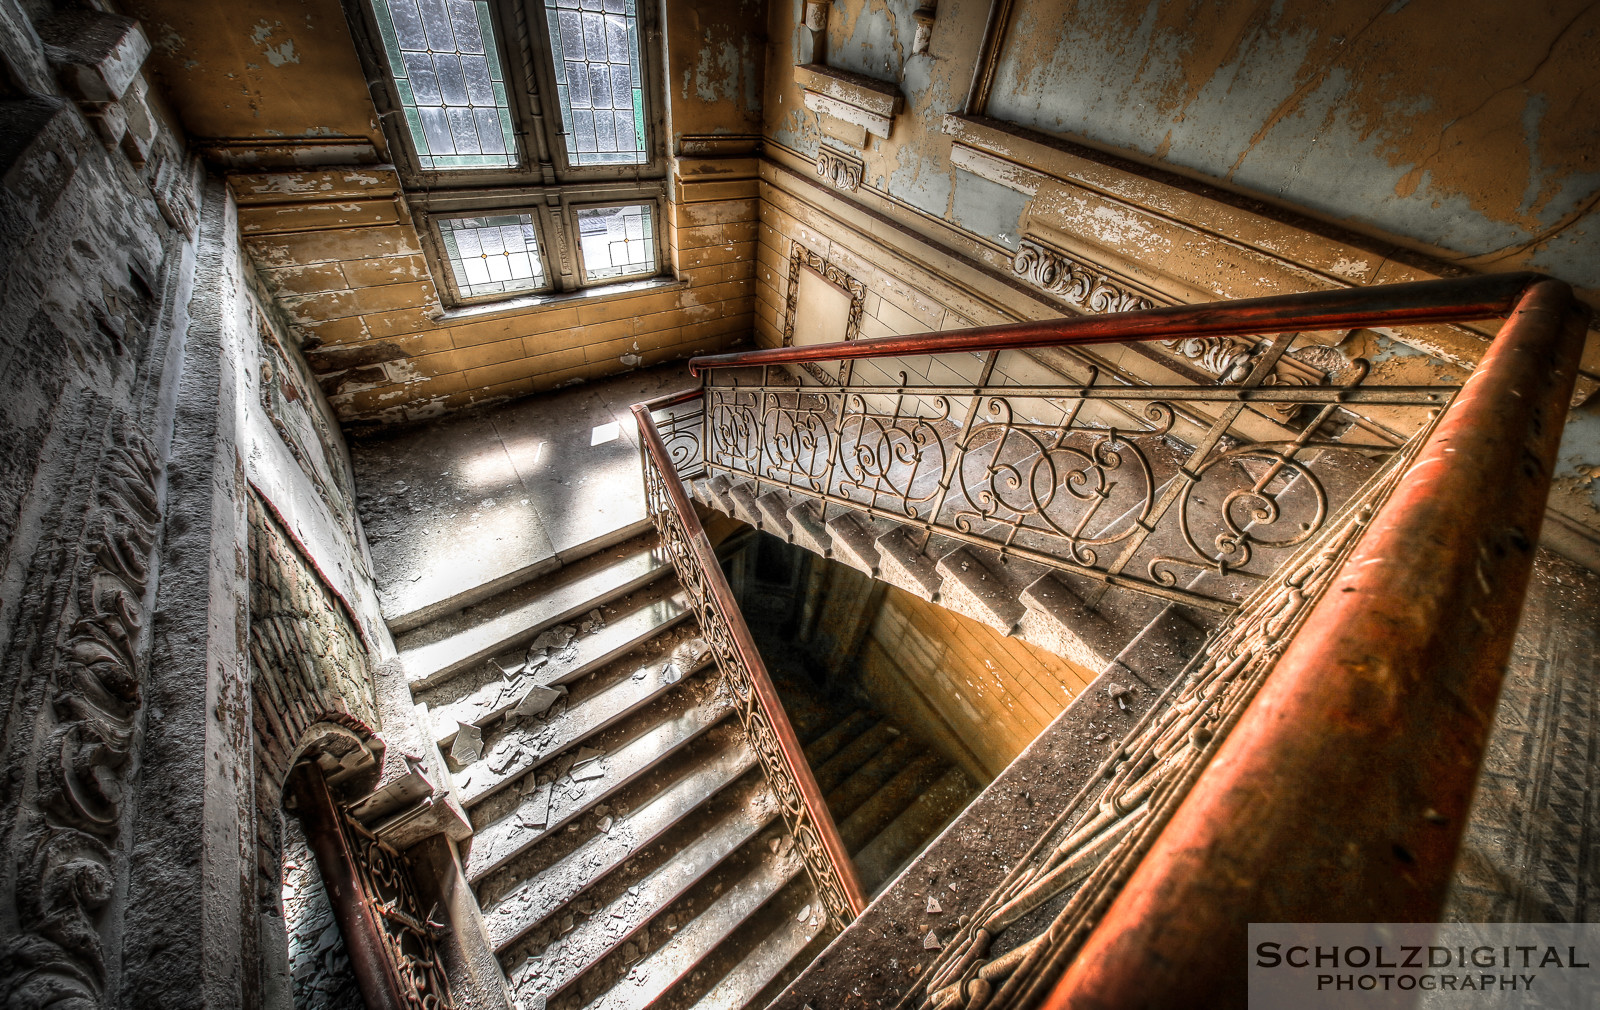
(1343, 793)
(1447, 301)
(721, 598)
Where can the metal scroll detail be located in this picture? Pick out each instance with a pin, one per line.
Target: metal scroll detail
(740, 681)
(408, 937)
(1078, 866)
(1142, 487)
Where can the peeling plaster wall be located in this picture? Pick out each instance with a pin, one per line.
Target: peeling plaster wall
(1466, 128)
(1394, 141)
(262, 78)
(716, 59)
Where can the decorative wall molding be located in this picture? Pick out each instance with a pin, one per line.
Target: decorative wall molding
(839, 169)
(800, 256)
(68, 852)
(1081, 284)
(855, 104)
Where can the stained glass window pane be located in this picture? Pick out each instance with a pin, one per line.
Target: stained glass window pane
(595, 47)
(452, 90)
(492, 255)
(617, 241)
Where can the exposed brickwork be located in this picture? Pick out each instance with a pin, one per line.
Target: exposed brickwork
(307, 665)
(352, 277)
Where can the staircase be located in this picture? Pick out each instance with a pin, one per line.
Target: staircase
(1087, 622)
(626, 850)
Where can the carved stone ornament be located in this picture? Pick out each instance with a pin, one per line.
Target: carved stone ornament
(816, 15)
(801, 256)
(1058, 274)
(68, 856)
(839, 169)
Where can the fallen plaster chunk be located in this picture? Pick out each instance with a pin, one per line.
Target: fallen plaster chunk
(805, 913)
(931, 942)
(468, 745)
(934, 908)
(538, 700)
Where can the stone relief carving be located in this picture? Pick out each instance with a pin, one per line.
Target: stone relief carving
(1228, 358)
(801, 256)
(68, 856)
(1058, 274)
(840, 169)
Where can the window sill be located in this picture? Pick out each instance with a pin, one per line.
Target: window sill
(561, 299)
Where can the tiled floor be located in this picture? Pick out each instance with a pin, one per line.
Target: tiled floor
(476, 501)
(1532, 848)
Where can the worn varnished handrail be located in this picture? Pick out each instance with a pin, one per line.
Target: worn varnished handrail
(1388, 692)
(721, 599)
(1390, 688)
(1447, 301)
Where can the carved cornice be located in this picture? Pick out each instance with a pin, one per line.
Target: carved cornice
(1081, 284)
(67, 862)
(839, 169)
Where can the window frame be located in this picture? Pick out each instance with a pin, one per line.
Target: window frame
(555, 221)
(544, 184)
(522, 35)
(580, 266)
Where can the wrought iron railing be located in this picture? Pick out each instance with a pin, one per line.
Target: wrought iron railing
(1375, 625)
(665, 449)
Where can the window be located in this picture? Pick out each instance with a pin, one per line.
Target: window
(447, 74)
(594, 46)
(617, 241)
(492, 255)
(525, 134)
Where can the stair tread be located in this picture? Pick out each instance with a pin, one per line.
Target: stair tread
(776, 951)
(448, 644)
(533, 900)
(844, 799)
(663, 968)
(608, 928)
(495, 698)
(913, 828)
(853, 755)
(883, 806)
(847, 729)
(507, 836)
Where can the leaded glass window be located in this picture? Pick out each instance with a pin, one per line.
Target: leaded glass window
(617, 241)
(494, 254)
(452, 89)
(594, 45)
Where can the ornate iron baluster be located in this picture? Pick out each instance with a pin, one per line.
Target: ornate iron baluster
(1104, 831)
(761, 714)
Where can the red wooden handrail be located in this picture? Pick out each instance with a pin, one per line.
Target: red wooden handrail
(1447, 301)
(761, 682)
(1342, 794)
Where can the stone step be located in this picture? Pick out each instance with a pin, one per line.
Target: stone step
(881, 859)
(607, 928)
(664, 967)
(774, 508)
(779, 949)
(847, 729)
(457, 641)
(597, 779)
(743, 498)
(534, 900)
(650, 616)
(807, 529)
(853, 755)
(876, 773)
(883, 806)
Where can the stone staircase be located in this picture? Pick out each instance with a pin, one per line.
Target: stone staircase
(1084, 620)
(626, 850)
